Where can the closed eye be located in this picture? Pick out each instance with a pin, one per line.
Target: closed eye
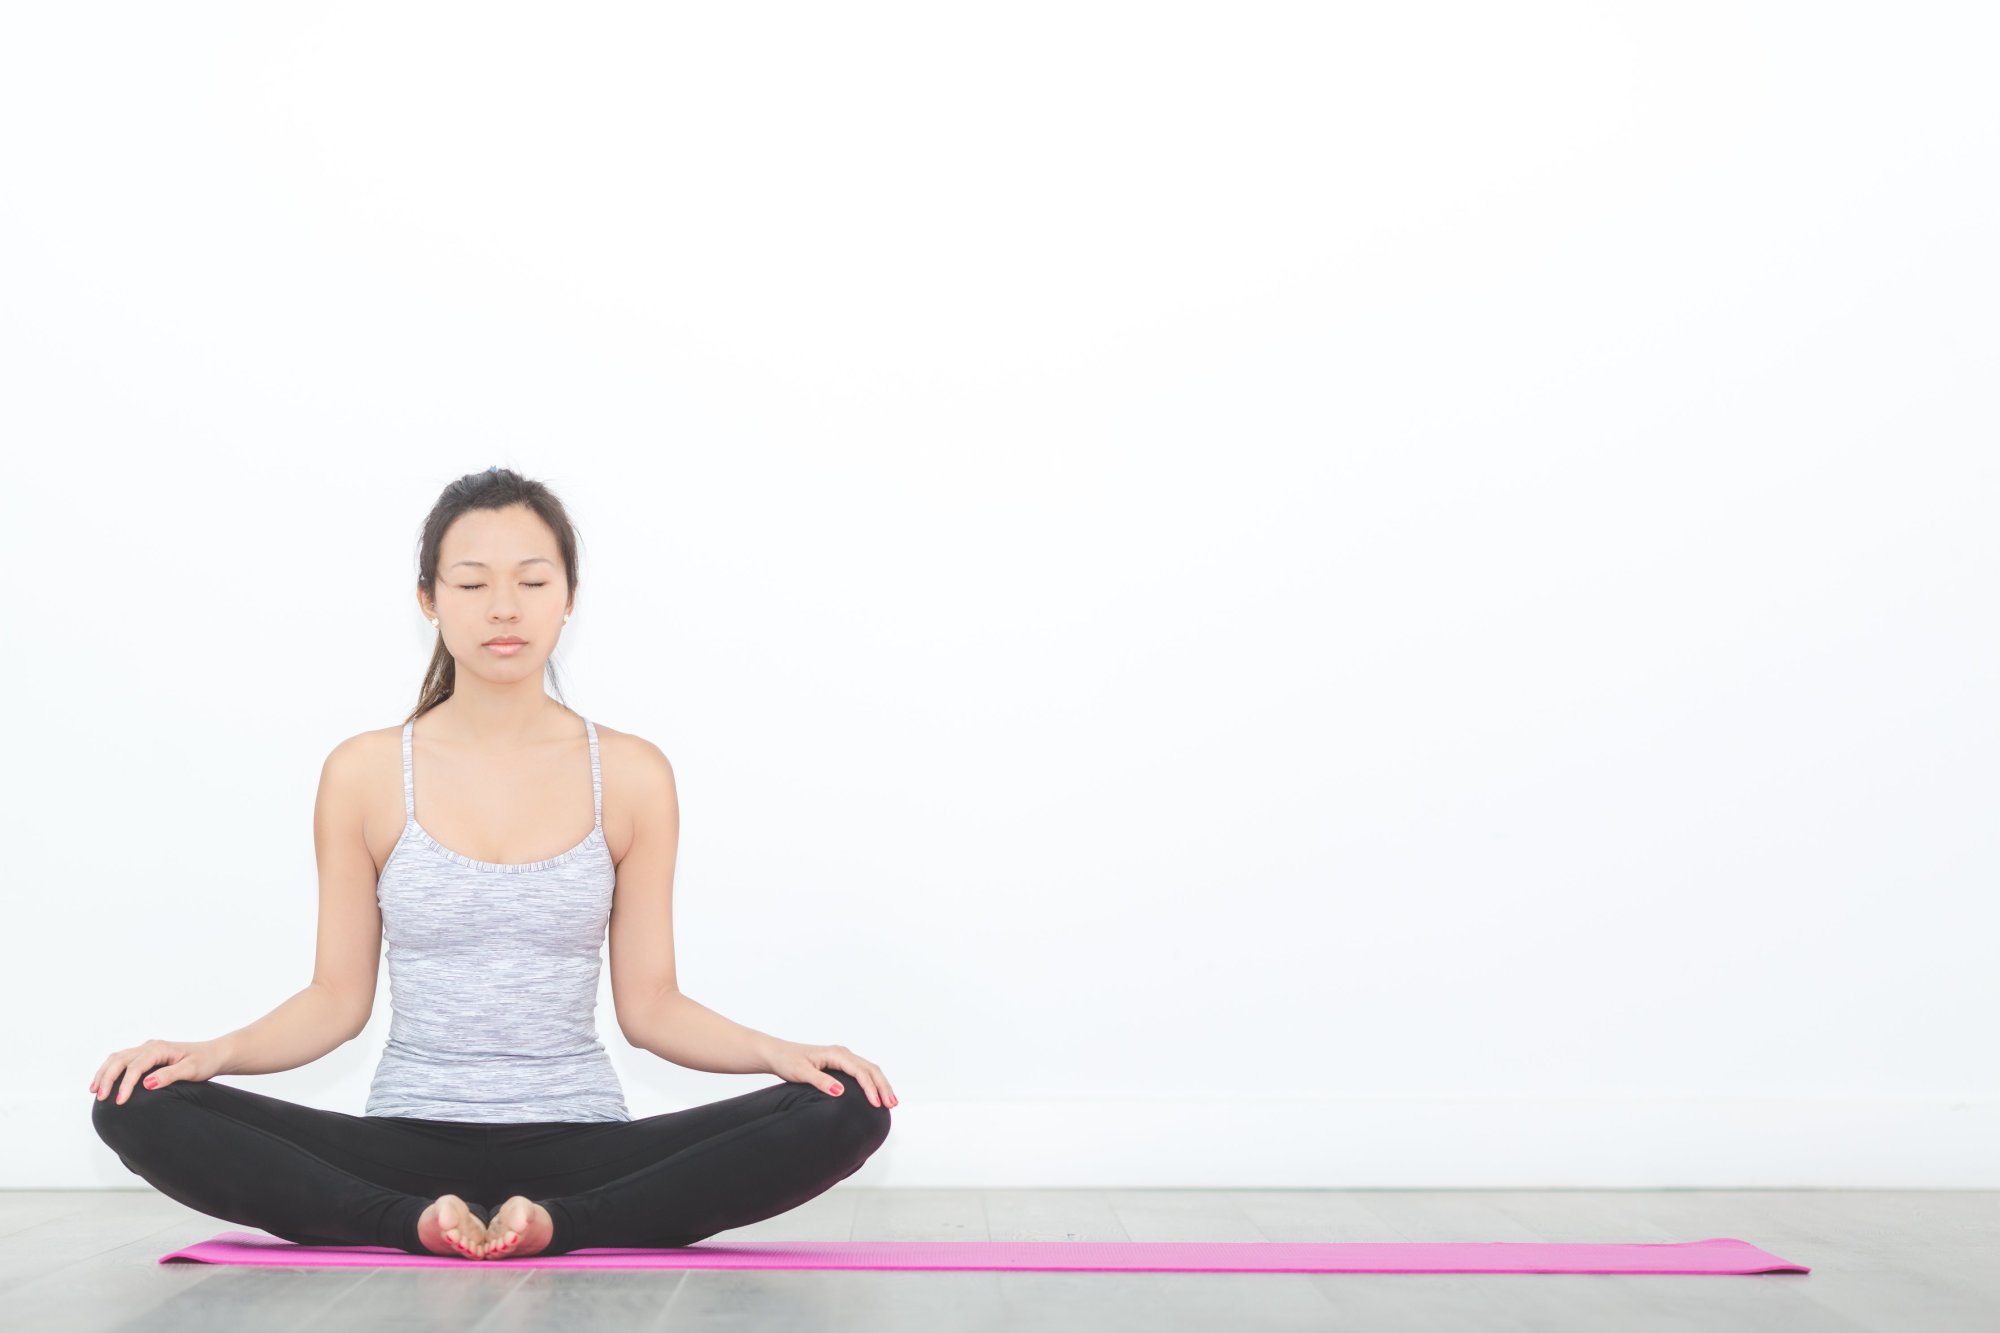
(470, 586)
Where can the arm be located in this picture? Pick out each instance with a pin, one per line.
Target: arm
(335, 1005)
(676, 1027)
(297, 1032)
(652, 1012)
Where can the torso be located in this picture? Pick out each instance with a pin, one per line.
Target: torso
(491, 895)
(526, 806)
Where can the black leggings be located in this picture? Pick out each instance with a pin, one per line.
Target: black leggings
(328, 1178)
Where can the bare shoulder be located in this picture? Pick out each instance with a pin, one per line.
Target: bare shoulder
(635, 761)
(356, 760)
(639, 797)
(356, 798)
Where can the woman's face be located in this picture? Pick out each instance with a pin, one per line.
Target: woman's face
(499, 577)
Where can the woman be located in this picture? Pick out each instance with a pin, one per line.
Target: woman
(493, 1085)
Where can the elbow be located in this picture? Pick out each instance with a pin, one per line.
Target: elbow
(357, 1021)
(639, 1023)
(354, 1006)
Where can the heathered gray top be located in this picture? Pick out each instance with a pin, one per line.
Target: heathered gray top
(493, 971)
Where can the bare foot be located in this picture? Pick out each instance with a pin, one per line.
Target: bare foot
(519, 1227)
(449, 1227)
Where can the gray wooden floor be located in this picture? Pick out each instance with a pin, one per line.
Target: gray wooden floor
(1901, 1261)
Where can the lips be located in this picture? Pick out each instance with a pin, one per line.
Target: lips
(494, 643)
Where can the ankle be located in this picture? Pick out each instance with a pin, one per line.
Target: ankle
(561, 1226)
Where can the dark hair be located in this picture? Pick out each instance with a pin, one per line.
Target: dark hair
(495, 488)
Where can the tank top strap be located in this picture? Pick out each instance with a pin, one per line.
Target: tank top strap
(409, 792)
(596, 778)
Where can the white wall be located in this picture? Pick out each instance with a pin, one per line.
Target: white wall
(1260, 595)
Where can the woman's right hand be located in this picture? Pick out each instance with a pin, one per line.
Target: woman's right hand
(162, 1062)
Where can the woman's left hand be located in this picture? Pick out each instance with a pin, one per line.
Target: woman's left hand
(796, 1063)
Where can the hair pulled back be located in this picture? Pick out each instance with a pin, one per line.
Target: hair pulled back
(495, 488)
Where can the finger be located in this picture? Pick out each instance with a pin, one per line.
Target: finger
(162, 1076)
(867, 1085)
(97, 1081)
(888, 1093)
(142, 1071)
(878, 1087)
(107, 1086)
(132, 1072)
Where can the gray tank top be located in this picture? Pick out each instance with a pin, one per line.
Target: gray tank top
(493, 970)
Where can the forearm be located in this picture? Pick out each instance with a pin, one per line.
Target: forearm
(687, 1033)
(297, 1032)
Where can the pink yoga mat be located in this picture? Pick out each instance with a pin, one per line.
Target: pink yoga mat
(1721, 1255)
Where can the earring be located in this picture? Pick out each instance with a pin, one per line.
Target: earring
(565, 617)
(433, 620)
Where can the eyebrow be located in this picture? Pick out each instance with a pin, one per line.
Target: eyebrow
(483, 565)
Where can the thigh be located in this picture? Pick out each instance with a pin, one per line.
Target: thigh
(558, 1157)
(424, 1157)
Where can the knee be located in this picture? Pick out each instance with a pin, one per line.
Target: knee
(120, 1126)
(867, 1122)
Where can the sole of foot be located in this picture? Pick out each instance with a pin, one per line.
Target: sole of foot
(520, 1227)
(449, 1227)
